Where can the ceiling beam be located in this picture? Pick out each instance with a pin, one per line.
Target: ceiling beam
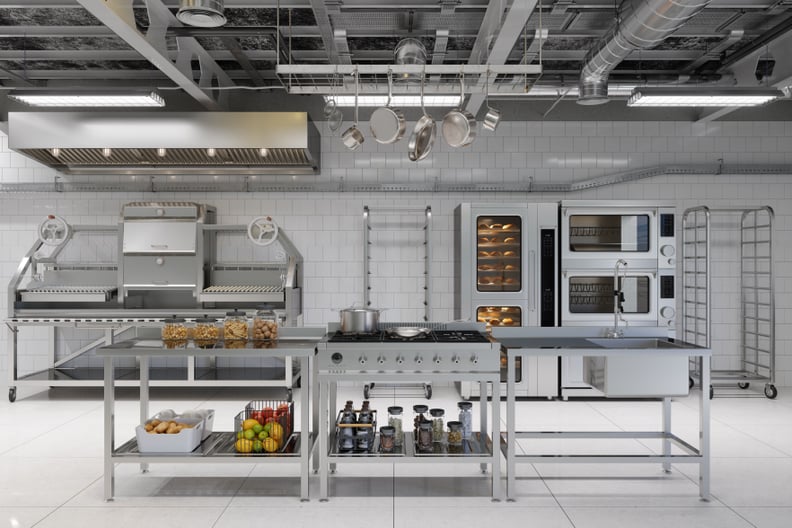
(118, 16)
(239, 55)
(505, 35)
(733, 38)
(325, 30)
(440, 46)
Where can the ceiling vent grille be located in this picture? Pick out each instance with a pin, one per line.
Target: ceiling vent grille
(201, 13)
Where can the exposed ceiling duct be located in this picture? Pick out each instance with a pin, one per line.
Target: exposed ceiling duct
(168, 143)
(201, 13)
(644, 24)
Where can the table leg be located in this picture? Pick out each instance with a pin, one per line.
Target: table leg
(483, 417)
(667, 434)
(511, 441)
(333, 401)
(315, 400)
(704, 430)
(324, 427)
(305, 432)
(109, 429)
(144, 397)
(496, 441)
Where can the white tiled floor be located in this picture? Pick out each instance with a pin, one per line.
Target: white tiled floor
(51, 471)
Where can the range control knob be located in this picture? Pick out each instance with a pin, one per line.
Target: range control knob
(381, 360)
(455, 359)
(438, 360)
(418, 360)
(667, 251)
(337, 358)
(672, 262)
(667, 312)
(399, 360)
(474, 359)
(362, 360)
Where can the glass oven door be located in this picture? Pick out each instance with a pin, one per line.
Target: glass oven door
(605, 235)
(499, 243)
(588, 298)
(499, 315)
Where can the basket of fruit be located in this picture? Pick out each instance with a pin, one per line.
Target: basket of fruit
(264, 426)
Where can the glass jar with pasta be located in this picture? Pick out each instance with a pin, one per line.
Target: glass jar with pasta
(174, 332)
(235, 328)
(206, 332)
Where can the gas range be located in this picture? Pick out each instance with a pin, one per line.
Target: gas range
(444, 349)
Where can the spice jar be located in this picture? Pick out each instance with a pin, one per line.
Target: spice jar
(174, 333)
(265, 324)
(454, 433)
(387, 438)
(466, 417)
(235, 327)
(395, 421)
(438, 429)
(419, 416)
(425, 436)
(206, 332)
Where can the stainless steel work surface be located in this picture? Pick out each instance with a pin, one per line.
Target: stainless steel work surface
(581, 346)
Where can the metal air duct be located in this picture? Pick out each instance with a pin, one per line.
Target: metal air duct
(201, 13)
(168, 143)
(644, 24)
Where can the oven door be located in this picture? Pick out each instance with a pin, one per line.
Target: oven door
(587, 297)
(610, 234)
(498, 315)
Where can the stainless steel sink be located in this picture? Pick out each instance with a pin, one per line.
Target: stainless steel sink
(635, 342)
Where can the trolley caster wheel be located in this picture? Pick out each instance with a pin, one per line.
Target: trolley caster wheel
(711, 392)
(366, 391)
(771, 392)
(691, 383)
(428, 392)
(289, 394)
(12, 394)
(743, 385)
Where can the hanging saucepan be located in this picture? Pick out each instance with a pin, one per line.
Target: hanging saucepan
(423, 135)
(388, 124)
(352, 136)
(493, 115)
(459, 126)
(333, 114)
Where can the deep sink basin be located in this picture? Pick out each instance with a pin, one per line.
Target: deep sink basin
(634, 342)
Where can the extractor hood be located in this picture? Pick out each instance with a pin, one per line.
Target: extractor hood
(85, 143)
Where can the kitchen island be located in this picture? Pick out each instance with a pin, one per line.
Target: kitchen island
(643, 364)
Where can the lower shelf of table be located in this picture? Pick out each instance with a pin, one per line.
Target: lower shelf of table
(475, 449)
(159, 377)
(218, 447)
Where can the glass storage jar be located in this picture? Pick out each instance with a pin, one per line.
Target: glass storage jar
(438, 429)
(425, 436)
(235, 328)
(419, 416)
(454, 433)
(395, 414)
(466, 417)
(174, 332)
(265, 324)
(387, 438)
(206, 332)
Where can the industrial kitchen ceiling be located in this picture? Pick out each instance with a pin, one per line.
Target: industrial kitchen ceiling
(567, 48)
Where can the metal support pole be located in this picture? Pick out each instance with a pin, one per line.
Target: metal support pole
(704, 430)
(109, 429)
(667, 434)
(144, 397)
(511, 441)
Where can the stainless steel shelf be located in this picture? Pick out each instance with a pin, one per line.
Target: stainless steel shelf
(219, 446)
(476, 449)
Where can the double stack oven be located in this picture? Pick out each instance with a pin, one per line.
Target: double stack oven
(595, 236)
(507, 264)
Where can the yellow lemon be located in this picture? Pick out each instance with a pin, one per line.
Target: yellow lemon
(270, 445)
(250, 423)
(243, 445)
(276, 431)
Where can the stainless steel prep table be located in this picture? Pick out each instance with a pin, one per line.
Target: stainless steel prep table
(297, 343)
(573, 342)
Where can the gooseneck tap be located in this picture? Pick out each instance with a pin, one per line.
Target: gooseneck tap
(617, 332)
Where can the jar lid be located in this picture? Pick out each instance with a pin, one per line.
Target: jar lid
(454, 426)
(174, 319)
(387, 430)
(420, 408)
(437, 413)
(395, 410)
(206, 319)
(236, 313)
(465, 405)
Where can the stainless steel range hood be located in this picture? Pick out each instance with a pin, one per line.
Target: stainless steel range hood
(115, 143)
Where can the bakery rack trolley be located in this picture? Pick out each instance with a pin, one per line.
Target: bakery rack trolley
(757, 296)
(426, 227)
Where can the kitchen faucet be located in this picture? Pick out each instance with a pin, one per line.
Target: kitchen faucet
(617, 332)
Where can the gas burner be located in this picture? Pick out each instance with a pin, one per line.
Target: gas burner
(340, 337)
(459, 336)
(420, 338)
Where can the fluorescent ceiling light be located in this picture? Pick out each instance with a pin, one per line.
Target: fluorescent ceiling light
(399, 101)
(644, 96)
(88, 99)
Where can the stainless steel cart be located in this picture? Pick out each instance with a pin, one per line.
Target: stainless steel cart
(757, 297)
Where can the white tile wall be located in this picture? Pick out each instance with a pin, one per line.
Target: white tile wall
(327, 227)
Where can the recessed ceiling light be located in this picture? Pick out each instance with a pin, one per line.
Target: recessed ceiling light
(698, 96)
(211, 152)
(107, 152)
(85, 99)
(162, 152)
(263, 152)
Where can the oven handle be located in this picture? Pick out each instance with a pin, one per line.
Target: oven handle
(532, 281)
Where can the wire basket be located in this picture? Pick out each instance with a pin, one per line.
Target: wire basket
(356, 437)
(275, 426)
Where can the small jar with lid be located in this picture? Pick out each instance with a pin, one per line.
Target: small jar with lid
(438, 428)
(419, 416)
(235, 328)
(454, 433)
(265, 324)
(387, 439)
(424, 441)
(395, 420)
(206, 332)
(174, 332)
(466, 418)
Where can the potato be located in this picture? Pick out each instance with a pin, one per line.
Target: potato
(155, 423)
(149, 427)
(161, 427)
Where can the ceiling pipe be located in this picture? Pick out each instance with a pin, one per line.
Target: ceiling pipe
(644, 24)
